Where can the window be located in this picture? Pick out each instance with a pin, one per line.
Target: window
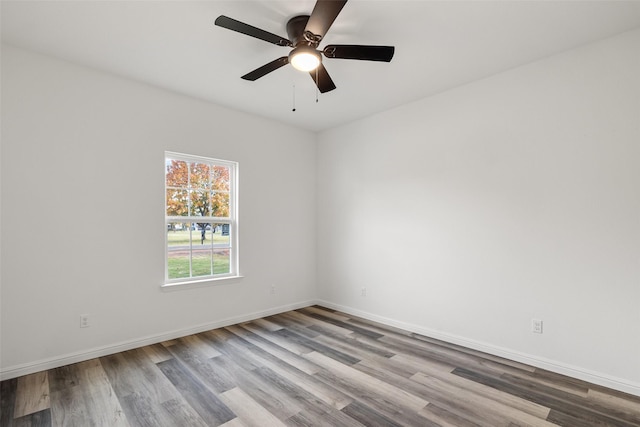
(200, 218)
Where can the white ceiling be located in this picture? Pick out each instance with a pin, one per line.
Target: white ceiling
(439, 45)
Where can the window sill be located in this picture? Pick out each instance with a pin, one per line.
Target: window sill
(177, 286)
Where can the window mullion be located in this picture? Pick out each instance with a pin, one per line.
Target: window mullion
(189, 188)
(190, 250)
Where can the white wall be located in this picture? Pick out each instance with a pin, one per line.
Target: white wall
(464, 215)
(82, 212)
(469, 213)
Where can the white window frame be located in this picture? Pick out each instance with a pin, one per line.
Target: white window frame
(232, 220)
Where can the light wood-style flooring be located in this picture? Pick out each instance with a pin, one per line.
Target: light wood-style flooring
(308, 367)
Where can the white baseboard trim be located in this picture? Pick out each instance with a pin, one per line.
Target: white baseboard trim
(81, 356)
(550, 365)
(535, 361)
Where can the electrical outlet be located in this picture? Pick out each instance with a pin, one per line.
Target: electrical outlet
(536, 326)
(84, 321)
(363, 292)
(273, 289)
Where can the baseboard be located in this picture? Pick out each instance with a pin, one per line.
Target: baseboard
(538, 362)
(81, 356)
(550, 365)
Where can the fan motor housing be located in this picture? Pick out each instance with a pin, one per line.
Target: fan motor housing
(295, 29)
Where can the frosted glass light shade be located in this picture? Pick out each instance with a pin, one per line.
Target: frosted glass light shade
(304, 59)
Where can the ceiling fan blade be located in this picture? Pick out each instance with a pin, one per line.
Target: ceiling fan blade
(323, 15)
(354, 51)
(322, 79)
(241, 27)
(266, 68)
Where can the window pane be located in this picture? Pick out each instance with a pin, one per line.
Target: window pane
(200, 203)
(201, 261)
(200, 234)
(221, 261)
(200, 175)
(220, 204)
(177, 202)
(178, 250)
(220, 178)
(176, 174)
(221, 235)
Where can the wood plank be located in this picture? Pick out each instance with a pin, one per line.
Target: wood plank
(141, 411)
(68, 407)
(430, 394)
(272, 399)
(168, 343)
(497, 411)
(206, 403)
(252, 336)
(556, 400)
(436, 371)
(419, 364)
(445, 418)
(35, 419)
(323, 311)
(462, 409)
(365, 382)
(368, 416)
(446, 356)
(627, 407)
(121, 373)
(161, 390)
(315, 346)
(253, 374)
(182, 414)
(217, 380)
(293, 326)
(236, 422)
(32, 394)
(326, 393)
(63, 377)
(329, 328)
(375, 326)
(101, 403)
(367, 332)
(557, 382)
(157, 353)
(7, 400)
(200, 346)
(264, 324)
(240, 351)
(353, 347)
(250, 412)
(296, 394)
(354, 340)
(278, 340)
(295, 318)
(317, 418)
(134, 372)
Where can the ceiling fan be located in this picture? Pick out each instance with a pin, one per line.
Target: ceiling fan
(305, 34)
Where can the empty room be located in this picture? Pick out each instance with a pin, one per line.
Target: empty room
(320, 213)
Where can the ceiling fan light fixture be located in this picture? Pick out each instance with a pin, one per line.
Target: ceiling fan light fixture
(305, 33)
(305, 58)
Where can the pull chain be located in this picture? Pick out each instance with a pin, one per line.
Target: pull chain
(294, 97)
(317, 82)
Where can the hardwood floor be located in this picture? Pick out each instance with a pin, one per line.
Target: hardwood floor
(309, 367)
